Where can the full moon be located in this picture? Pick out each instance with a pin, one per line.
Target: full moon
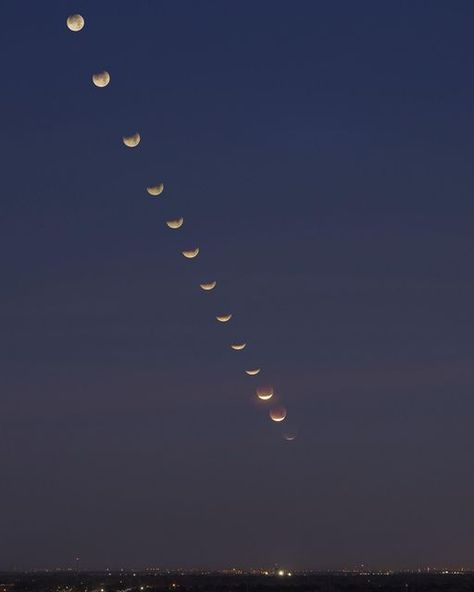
(132, 141)
(101, 79)
(75, 22)
(278, 414)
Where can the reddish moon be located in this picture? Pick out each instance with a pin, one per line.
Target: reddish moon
(277, 414)
(264, 393)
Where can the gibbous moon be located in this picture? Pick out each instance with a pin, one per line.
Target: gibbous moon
(277, 414)
(238, 346)
(253, 371)
(208, 286)
(155, 189)
(264, 393)
(224, 318)
(177, 223)
(101, 79)
(132, 141)
(191, 253)
(75, 22)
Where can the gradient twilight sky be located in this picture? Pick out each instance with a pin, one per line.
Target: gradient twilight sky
(322, 155)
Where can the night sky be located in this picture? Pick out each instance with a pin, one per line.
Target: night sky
(322, 156)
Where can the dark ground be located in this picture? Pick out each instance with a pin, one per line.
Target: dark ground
(153, 581)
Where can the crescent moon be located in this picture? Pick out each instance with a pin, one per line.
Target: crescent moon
(253, 371)
(238, 346)
(155, 189)
(224, 318)
(264, 393)
(277, 414)
(289, 436)
(177, 223)
(191, 253)
(208, 286)
(75, 22)
(132, 141)
(101, 79)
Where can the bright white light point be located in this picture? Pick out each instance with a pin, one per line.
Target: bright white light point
(289, 573)
(281, 573)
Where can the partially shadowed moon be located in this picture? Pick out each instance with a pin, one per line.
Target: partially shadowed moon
(101, 79)
(278, 414)
(132, 141)
(238, 346)
(177, 223)
(75, 22)
(191, 253)
(206, 286)
(155, 189)
(264, 393)
(252, 371)
(224, 318)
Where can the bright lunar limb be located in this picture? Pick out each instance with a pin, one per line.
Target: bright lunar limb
(264, 393)
(191, 253)
(277, 414)
(177, 223)
(101, 79)
(238, 346)
(155, 189)
(289, 436)
(75, 22)
(206, 286)
(253, 371)
(224, 318)
(132, 141)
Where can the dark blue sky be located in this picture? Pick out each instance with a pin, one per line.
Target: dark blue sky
(321, 154)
